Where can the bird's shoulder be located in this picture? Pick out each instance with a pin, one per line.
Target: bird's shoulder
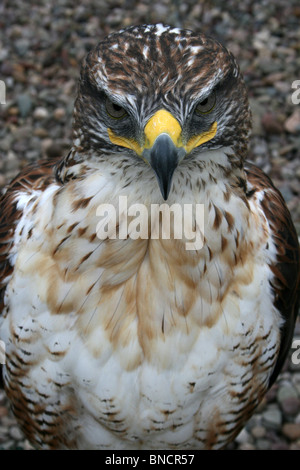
(286, 267)
(36, 176)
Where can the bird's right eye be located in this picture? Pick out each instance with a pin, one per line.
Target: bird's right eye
(114, 110)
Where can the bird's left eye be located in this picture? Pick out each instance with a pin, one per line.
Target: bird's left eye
(114, 110)
(207, 105)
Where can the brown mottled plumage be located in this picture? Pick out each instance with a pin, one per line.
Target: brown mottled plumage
(134, 342)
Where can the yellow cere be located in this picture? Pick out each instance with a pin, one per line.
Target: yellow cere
(163, 123)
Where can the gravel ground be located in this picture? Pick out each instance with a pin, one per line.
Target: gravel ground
(41, 46)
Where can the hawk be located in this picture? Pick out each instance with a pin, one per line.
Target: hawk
(130, 342)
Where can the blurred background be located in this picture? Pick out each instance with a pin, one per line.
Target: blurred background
(41, 46)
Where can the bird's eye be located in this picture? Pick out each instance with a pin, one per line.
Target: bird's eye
(207, 105)
(114, 110)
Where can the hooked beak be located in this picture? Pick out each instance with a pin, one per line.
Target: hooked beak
(163, 148)
(164, 157)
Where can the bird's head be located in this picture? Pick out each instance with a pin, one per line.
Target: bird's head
(162, 96)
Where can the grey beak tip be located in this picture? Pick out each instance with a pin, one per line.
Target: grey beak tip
(165, 195)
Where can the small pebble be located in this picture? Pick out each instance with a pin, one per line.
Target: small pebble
(41, 132)
(243, 437)
(263, 444)
(272, 124)
(292, 124)
(59, 113)
(290, 406)
(24, 102)
(272, 418)
(40, 113)
(258, 432)
(16, 433)
(291, 431)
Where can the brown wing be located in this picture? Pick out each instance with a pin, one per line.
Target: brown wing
(35, 176)
(286, 270)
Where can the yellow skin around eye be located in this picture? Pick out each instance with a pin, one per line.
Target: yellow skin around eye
(163, 123)
(124, 142)
(200, 139)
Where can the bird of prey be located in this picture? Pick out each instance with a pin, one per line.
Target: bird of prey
(131, 342)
